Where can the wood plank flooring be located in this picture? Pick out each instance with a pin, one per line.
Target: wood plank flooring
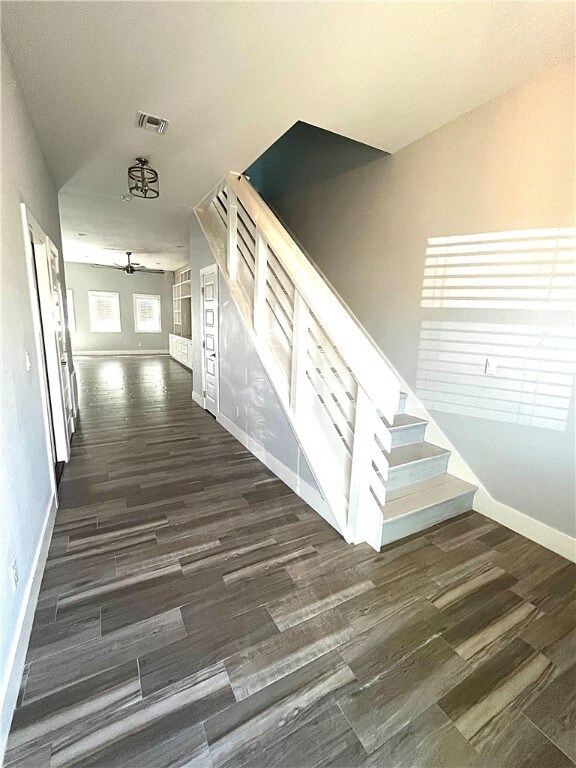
(195, 612)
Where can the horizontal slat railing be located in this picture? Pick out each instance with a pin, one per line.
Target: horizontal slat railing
(333, 383)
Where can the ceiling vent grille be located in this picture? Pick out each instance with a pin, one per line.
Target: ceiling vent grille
(151, 122)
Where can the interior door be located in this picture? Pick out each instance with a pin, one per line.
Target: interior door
(60, 335)
(48, 314)
(210, 375)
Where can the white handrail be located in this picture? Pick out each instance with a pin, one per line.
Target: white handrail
(356, 349)
(331, 380)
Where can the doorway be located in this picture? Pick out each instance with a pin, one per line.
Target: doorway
(210, 367)
(52, 353)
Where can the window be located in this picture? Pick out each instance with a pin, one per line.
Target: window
(146, 313)
(70, 308)
(104, 308)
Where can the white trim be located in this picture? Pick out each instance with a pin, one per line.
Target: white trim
(310, 495)
(10, 685)
(210, 270)
(70, 310)
(93, 353)
(198, 399)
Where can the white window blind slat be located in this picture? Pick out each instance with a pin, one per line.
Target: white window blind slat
(104, 309)
(147, 313)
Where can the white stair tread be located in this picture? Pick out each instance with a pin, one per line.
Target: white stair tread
(404, 420)
(409, 454)
(427, 493)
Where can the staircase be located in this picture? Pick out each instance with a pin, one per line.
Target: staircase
(380, 478)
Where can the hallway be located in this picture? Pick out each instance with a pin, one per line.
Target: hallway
(195, 612)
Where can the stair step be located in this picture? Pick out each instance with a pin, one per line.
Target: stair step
(415, 462)
(418, 506)
(406, 429)
(402, 403)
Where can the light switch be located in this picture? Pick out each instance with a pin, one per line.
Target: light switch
(28, 361)
(491, 366)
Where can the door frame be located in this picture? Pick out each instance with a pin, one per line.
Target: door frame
(49, 364)
(212, 269)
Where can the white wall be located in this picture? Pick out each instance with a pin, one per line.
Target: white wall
(81, 278)
(508, 165)
(24, 464)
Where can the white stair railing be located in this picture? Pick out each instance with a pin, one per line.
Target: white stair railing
(331, 380)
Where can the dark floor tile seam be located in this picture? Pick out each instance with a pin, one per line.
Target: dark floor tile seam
(68, 649)
(548, 738)
(99, 587)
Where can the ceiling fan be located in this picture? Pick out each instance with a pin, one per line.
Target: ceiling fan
(131, 267)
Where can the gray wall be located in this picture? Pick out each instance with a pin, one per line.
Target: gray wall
(246, 395)
(25, 467)
(82, 278)
(508, 165)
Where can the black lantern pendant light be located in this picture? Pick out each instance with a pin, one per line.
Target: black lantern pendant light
(143, 180)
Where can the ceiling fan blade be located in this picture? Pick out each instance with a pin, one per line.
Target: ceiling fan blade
(150, 271)
(107, 266)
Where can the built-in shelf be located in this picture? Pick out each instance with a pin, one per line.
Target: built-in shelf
(182, 304)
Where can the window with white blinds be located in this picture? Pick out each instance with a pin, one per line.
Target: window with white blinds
(104, 308)
(147, 313)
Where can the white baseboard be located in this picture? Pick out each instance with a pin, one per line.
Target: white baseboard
(118, 352)
(17, 656)
(310, 495)
(199, 400)
(542, 534)
(527, 526)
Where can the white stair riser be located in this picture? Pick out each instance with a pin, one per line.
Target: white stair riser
(407, 474)
(408, 435)
(402, 403)
(414, 522)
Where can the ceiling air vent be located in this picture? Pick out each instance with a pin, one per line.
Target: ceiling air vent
(151, 122)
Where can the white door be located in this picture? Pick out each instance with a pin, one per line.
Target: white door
(60, 333)
(47, 316)
(210, 376)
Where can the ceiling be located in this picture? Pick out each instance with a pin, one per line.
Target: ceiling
(231, 77)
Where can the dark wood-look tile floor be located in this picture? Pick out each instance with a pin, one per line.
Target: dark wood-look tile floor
(195, 612)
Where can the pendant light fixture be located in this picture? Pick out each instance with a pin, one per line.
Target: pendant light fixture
(143, 180)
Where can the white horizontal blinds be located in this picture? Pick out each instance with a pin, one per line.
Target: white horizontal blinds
(104, 309)
(147, 313)
(525, 269)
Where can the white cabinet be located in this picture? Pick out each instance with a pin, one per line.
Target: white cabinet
(180, 349)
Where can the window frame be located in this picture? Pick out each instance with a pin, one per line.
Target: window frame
(135, 298)
(96, 293)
